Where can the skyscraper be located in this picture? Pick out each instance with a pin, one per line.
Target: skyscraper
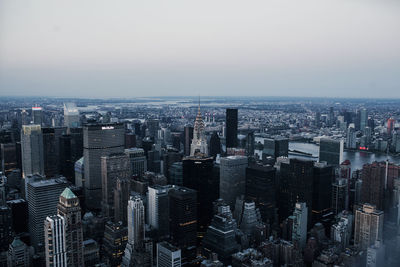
(363, 119)
(56, 252)
(198, 174)
(18, 254)
(114, 242)
(137, 160)
(158, 208)
(113, 166)
(168, 255)
(373, 184)
(50, 159)
(99, 140)
(199, 141)
(37, 115)
(339, 195)
(261, 187)
(32, 150)
(232, 178)
(183, 220)
(299, 232)
(43, 197)
(121, 197)
(188, 136)
(276, 147)
(368, 226)
(71, 115)
(69, 208)
(331, 151)
(231, 127)
(215, 145)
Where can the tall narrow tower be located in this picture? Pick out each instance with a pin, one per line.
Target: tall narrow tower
(69, 208)
(199, 141)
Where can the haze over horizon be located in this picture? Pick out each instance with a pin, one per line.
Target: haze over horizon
(139, 49)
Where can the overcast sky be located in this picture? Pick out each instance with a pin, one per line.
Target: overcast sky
(95, 48)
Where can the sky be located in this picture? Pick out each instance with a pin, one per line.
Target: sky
(98, 48)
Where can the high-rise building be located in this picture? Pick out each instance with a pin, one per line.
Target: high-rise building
(318, 119)
(199, 141)
(71, 115)
(71, 150)
(137, 160)
(50, 159)
(331, 151)
(43, 197)
(54, 235)
(168, 255)
(363, 119)
(121, 197)
(113, 166)
(342, 230)
(32, 150)
(114, 242)
(339, 195)
(176, 174)
(18, 254)
(158, 208)
(99, 140)
(231, 127)
(8, 156)
(37, 115)
(390, 125)
(368, 226)
(188, 136)
(261, 187)
(232, 178)
(351, 139)
(276, 147)
(199, 175)
(299, 232)
(69, 208)
(376, 255)
(152, 126)
(183, 220)
(249, 219)
(6, 222)
(215, 145)
(374, 182)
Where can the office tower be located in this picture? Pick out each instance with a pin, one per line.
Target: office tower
(71, 115)
(71, 150)
(8, 157)
(199, 141)
(323, 177)
(176, 174)
(342, 230)
(368, 226)
(299, 232)
(130, 140)
(37, 116)
(331, 118)
(158, 208)
(32, 150)
(215, 145)
(49, 152)
(114, 242)
(18, 254)
(138, 160)
(91, 252)
(220, 235)
(351, 139)
(68, 207)
(198, 174)
(153, 125)
(79, 173)
(168, 255)
(183, 220)
(231, 127)
(249, 219)
(43, 197)
(318, 119)
(6, 231)
(232, 178)
(390, 125)
(363, 119)
(373, 184)
(276, 147)
(261, 187)
(54, 231)
(331, 151)
(339, 195)
(19, 212)
(187, 139)
(250, 140)
(113, 166)
(169, 157)
(99, 140)
(121, 197)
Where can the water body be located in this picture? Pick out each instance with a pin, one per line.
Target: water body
(357, 158)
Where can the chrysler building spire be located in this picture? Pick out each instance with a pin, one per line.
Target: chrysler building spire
(199, 141)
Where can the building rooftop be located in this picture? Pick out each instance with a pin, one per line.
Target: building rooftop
(68, 194)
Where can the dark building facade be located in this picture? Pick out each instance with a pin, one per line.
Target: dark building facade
(199, 175)
(215, 145)
(188, 136)
(99, 140)
(276, 147)
(261, 187)
(231, 127)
